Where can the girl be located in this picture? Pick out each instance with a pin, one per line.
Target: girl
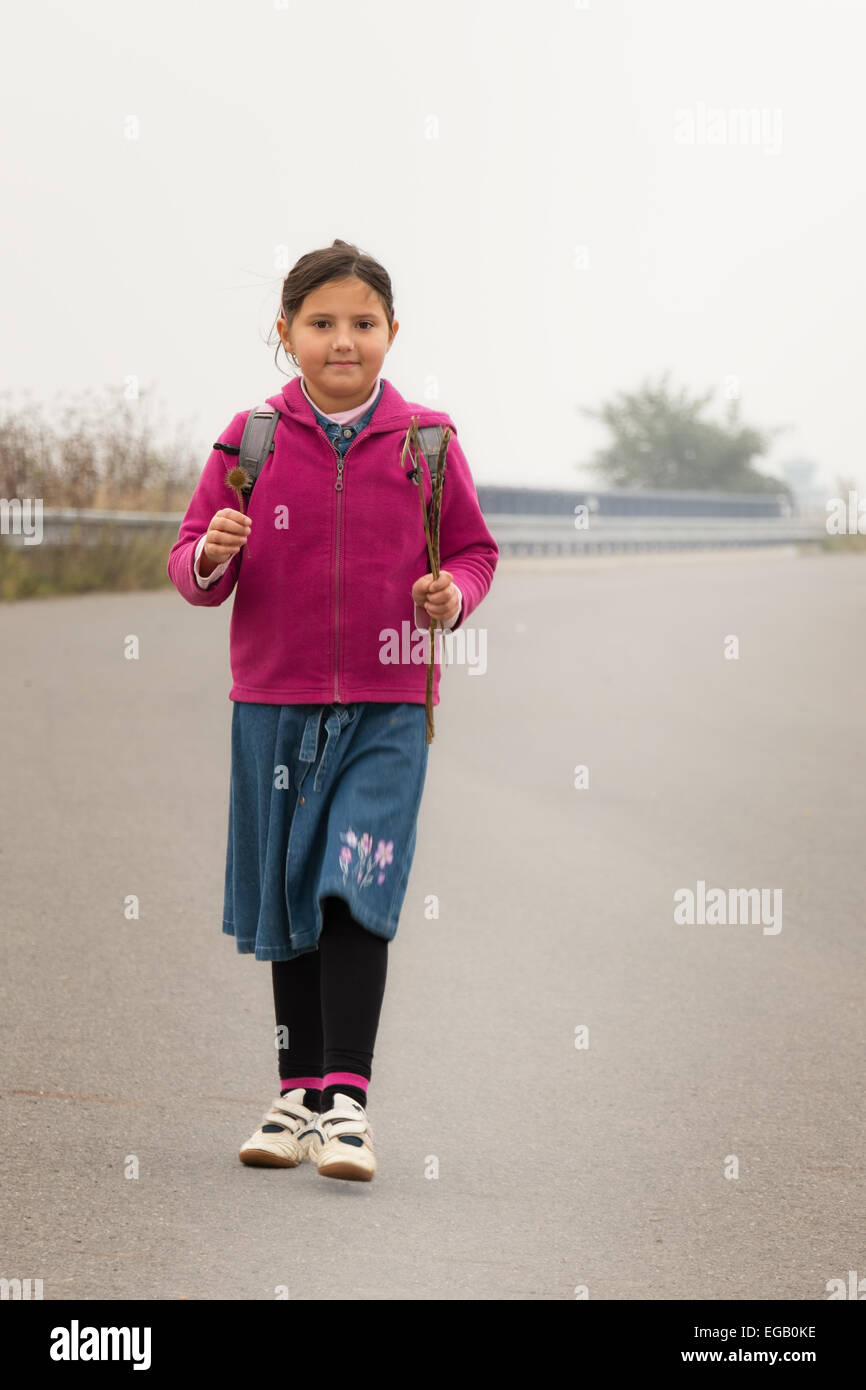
(322, 831)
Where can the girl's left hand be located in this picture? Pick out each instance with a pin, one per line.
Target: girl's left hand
(438, 596)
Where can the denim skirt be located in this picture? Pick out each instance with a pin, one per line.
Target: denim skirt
(323, 801)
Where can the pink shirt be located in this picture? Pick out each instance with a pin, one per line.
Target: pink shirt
(344, 417)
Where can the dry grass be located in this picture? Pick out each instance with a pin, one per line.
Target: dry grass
(98, 451)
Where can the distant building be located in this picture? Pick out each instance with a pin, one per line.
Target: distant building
(620, 501)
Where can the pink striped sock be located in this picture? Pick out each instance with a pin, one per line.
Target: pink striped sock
(336, 1079)
(349, 1082)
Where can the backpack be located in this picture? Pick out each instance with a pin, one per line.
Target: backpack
(257, 443)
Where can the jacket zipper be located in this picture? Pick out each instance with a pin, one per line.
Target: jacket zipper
(338, 488)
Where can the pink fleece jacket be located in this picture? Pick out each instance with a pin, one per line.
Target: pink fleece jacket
(323, 608)
(340, 417)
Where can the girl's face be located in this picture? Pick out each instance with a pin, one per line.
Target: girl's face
(340, 336)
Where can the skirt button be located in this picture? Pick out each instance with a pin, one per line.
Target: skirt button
(301, 800)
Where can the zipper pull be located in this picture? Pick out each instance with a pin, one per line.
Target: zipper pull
(338, 486)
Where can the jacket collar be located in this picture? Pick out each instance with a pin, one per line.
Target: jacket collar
(392, 412)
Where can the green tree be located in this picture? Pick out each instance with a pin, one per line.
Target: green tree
(660, 440)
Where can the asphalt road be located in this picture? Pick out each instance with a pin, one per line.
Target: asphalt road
(713, 1050)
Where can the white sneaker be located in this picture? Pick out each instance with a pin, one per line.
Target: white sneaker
(342, 1141)
(283, 1138)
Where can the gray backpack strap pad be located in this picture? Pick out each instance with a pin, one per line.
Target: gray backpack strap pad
(257, 441)
(430, 440)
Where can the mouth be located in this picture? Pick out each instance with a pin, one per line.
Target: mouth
(344, 364)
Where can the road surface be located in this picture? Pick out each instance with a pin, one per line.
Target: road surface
(705, 1138)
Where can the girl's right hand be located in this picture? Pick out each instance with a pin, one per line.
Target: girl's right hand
(227, 532)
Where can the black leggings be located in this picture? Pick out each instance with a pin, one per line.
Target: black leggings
(329, 1000)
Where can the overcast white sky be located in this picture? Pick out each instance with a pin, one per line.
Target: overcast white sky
(266, 130)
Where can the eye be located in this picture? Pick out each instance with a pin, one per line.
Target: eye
(316, 322)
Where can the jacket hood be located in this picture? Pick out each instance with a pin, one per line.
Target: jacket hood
(392, 412)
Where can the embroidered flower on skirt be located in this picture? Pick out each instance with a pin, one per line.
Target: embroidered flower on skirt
(367, 862)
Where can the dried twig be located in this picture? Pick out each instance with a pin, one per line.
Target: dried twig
(431, 531)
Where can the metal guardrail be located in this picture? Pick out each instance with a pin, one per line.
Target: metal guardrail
(515, 534)
(545, 535)
(68, 526)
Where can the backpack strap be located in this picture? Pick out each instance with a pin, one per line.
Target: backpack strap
(257, 441)
(430, 440)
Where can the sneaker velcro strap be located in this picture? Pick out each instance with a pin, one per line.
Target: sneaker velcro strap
(336, 1126)
(280, 1117)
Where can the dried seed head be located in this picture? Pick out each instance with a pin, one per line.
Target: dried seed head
(238, 478)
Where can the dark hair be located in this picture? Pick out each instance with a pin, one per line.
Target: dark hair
(335, 262)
